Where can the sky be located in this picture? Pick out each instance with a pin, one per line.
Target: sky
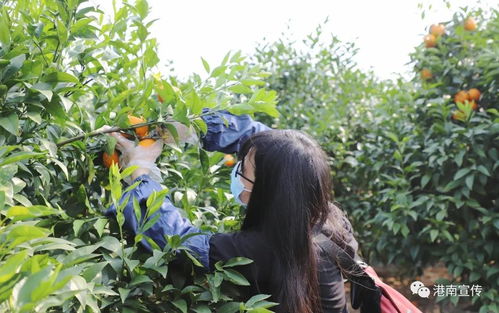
(385, 31)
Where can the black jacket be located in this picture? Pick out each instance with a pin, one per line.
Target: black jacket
(263, 273)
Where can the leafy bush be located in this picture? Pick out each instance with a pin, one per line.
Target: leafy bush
(65, 72)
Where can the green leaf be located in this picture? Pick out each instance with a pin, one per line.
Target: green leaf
(43, 88)
(4, 32)
(11, 265)
(15, 64)
(19, 156)
(127, 172)
(100, 224)
(140, 279)
(201, 309)
(60, 77)
(241, 108)
(62, 32)
(2, 200)
(424, 180)
(180, 113)
(260, 310)
(469, 181)
(255, 299)
(123, 294)
(62, 166)
(110, 145)
(10, 122)
(237, 261)
(201, 125)
(23, 213)
(193, 259)
(433, 234)
(459, 158)
(218, 71)
(230, 307)
(474, 276)
(462, 172)
(81, 24)
(239, 88)
(205, 161)
(181, 304)
(166, 92)
(55, 108)
(142, 8)
(236, 277)
(206, 65)
(27, 289)
(22, 233)
(77, 225)
(193, 102)
(496, 224)
(482, 169)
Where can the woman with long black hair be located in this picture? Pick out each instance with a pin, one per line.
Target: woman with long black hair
(283, 180)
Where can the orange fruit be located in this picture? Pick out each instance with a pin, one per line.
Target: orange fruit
(474, 105)
(458, 116)
(437, 30)
(461, 96)
(140, 131)
(229, 160)
(110, 159)
(146, 142)
(474, 94)
(469, 24)
(430, 41)
(426, 74)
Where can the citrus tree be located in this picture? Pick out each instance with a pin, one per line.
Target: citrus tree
(414, 162)
(65, 71)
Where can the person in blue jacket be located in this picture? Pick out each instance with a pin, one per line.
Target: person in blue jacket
(283, 180)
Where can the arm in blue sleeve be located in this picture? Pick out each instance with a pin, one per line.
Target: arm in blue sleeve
(170, 221)
(228, 139)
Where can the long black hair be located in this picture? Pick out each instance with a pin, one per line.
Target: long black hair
(292, 196)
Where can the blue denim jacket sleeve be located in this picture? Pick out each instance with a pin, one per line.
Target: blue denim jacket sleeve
(170, 221)
(228, 139)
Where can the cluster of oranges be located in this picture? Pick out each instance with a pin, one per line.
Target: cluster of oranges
(437, 30)
(142, 131)
(471, 96)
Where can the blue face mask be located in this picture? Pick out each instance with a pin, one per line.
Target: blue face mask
(236, 186)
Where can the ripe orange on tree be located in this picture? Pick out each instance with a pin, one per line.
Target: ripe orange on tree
(229, 160)
(140, 131)
(461, 96)
(474, 105)
(437, 30)
(108, 160)
(474, 94)
(469, 24)
(426, 74)
(430, 41)
(146, 142)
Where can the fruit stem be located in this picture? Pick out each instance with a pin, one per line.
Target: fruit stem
(117, 129)
(111, 130)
